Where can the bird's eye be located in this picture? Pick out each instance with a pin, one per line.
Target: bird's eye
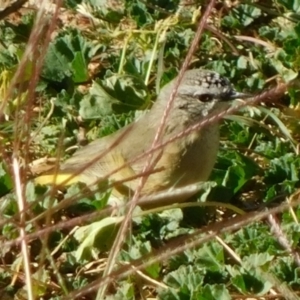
(205, 97)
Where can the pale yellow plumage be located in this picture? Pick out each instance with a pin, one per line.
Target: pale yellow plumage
(183, 162)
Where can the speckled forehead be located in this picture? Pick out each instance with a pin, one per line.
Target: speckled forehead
(212, 80)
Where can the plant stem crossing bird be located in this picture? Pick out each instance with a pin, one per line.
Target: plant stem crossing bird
(183, 162)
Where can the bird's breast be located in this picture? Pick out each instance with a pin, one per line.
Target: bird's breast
(187, 160)
(198, 156)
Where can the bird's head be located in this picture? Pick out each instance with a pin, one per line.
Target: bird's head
(204, 85)
(200, 93)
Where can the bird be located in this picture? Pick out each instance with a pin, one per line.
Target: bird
(183, 162)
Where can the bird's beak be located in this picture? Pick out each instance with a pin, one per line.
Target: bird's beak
(239, 95)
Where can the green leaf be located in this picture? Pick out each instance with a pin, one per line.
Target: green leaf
(211, 257)
(125, 94)
(79, 67)
(237, 169)
(214, 292)
(254, 239)
(99, 235)
(97, 103)
(285, 269)
(6, 183)
(257, 260)
(242, 62)
(172, 219)
(186, 278)
(293, 5)
(138, 11)
(129, 90)
(242, 15)
(125, 290)
(286, 73)
(57, 60)
(67, 57)
(251, 282)
(286, 167)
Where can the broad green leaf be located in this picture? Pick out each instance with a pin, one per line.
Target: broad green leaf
(186, 278)
(67, 57)
(237, 170)
(211, 256)
(242, 15)
(97, 103)
(129, 90)
(99, 235)
(257, 260)
(213, 292)
(286, 73)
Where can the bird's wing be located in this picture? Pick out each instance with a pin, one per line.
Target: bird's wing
(95, 161)
(118, 156)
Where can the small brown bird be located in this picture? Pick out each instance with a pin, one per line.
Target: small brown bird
(186, 161)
